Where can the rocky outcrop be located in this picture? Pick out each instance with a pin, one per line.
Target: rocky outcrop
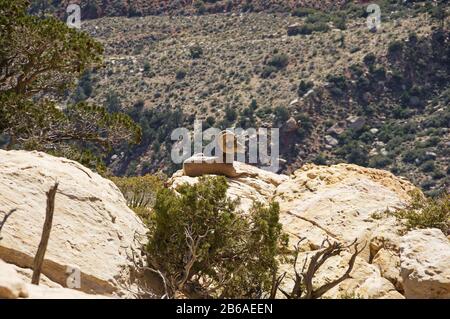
(247, 183)
(340, 203)
(93, 229)
(425, 264)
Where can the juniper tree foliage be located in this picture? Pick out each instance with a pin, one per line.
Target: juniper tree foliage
(204, 248)
(40, 59)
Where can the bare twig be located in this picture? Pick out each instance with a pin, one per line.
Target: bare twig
(39, 258)
(5, 218)
(140, 268)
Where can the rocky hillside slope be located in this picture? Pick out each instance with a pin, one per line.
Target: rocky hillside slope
(100, 8)
(338, 92)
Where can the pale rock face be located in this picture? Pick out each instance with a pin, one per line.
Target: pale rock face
(42, 292)
(93, 229)
(425, 264)
(340, 202)
(389, 264)
(11, 285)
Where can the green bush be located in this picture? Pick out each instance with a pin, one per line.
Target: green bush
(427, 166)
(426, 213)
(204, 248)
(279, 61)
(379, 161)
(180, 74)
(303, 12)
(281, 114)
(395, 47)
(140, 192)
(196, 51)
(267, 71)
(370, 59)
(304, 87)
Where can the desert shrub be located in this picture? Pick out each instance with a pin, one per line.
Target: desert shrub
(354, 153)
(309, 28)
(370, 59)
(230, 114)
(427, 166)
(210, 120)
(279, 61)
(379, 161)
(199, 5)
(196, 51)
(303, 12)
(395, 47)
(180, 74)
(339, 22)
(411, 155)
(304, 87)
(147, 66)
(112, 102)
(264, 112)
(140, 191)
(267, 71)
(203, 247)
(426, 212)
(281, 114)
(320, 159)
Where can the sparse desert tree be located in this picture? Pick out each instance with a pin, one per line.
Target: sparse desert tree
(202, 247)
(38, 55)
(41, 58)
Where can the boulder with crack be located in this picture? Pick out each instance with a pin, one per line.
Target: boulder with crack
(93, 229)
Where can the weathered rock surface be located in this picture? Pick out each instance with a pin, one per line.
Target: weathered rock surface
(13, 286)
(93, 229)
(342, 203)
(425, 264)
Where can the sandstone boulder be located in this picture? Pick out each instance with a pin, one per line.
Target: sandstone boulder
(11, 285)
(93, 229)
(425, 264)
(341, 202)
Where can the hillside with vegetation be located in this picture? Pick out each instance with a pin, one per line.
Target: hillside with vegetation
(91, 206)
(339, 91)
